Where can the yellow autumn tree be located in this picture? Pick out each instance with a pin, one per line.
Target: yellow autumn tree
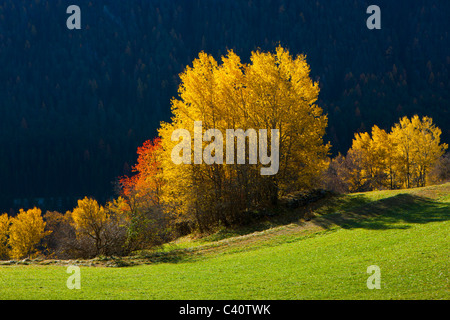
(89, 220)
(273, 91)
(418, 148)
(372, 154)
(402, 134)
(26, 231)
(381, 157)
(4, 231)
(101, 230)
(427, 138)
(387, 146)
(361, 154)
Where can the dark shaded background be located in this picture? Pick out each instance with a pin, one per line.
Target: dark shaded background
(75, 104)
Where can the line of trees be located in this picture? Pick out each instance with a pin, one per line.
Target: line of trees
(163, 200)
(144, 215)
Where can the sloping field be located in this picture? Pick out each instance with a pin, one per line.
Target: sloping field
(405, 233)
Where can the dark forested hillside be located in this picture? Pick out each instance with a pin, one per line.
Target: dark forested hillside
(75, 104)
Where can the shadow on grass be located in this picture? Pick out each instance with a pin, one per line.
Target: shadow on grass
(391, 213)
(177, 255)
(348, 212)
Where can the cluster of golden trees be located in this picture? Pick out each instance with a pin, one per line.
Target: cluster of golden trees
(87, 231)
(273, 91)
(19, 235)
(402, 158)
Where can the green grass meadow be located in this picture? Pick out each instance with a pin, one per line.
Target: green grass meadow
(405, 233)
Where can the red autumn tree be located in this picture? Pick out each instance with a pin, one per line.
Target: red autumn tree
(142, 193)
(144, 188)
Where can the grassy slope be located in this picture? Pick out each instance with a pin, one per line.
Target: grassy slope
(405, 233)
